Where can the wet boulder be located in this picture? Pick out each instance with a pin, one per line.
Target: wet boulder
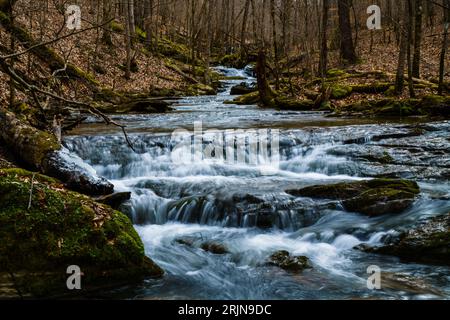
(428, 243)
(285, 261)
(243, 88)
(373, 197)
(114, 200)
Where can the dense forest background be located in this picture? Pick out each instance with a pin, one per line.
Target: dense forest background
(146, 45)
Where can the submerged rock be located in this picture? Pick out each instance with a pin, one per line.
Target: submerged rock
(284, 260)
(42, 235)
(408, 283)
(428, 243)
(214, 247)
(372, 198)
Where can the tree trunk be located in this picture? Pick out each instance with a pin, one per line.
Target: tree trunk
(106, 36)
(128, 35)
(446, 4)
(417, 38)
(275, 43)
(243, 29)
(323, 63)
(347, 49)
(400, 77)
(409, 42)
(265, 92)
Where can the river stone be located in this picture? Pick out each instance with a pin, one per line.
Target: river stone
(114, 200)
(373, 197)
(214, 247)
(408, 283)
(428, 243)
(284, 260)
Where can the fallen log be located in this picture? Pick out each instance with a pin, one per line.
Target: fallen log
(40, 150)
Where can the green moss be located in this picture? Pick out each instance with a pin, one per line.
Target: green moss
(246, 99)
(232, 60)
(285, 103)
(117, 26)
(141, 34)
(200, 89)
(340, 91)
(333, 73)
(63, 228)
(174, 50)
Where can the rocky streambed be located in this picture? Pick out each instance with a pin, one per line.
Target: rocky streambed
(345, 195)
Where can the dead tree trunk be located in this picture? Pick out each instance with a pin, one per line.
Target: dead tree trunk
(40, 150)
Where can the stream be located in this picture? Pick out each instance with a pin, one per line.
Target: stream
(181, 200)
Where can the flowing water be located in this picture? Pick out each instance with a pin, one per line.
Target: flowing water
(181, 201)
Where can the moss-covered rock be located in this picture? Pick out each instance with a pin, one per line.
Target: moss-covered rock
(373, 198)
(284, 260)
(333, 73)
(59, 228)
(429, 243)
(435, 105)
(200, 89)
(431, 105)
(232, 60)
(246, 99)
(174, 50)
(340, 91)
(285, 103)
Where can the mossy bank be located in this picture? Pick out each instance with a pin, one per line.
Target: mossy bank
(54, 228)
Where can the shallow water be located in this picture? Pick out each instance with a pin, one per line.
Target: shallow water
(177, 195)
